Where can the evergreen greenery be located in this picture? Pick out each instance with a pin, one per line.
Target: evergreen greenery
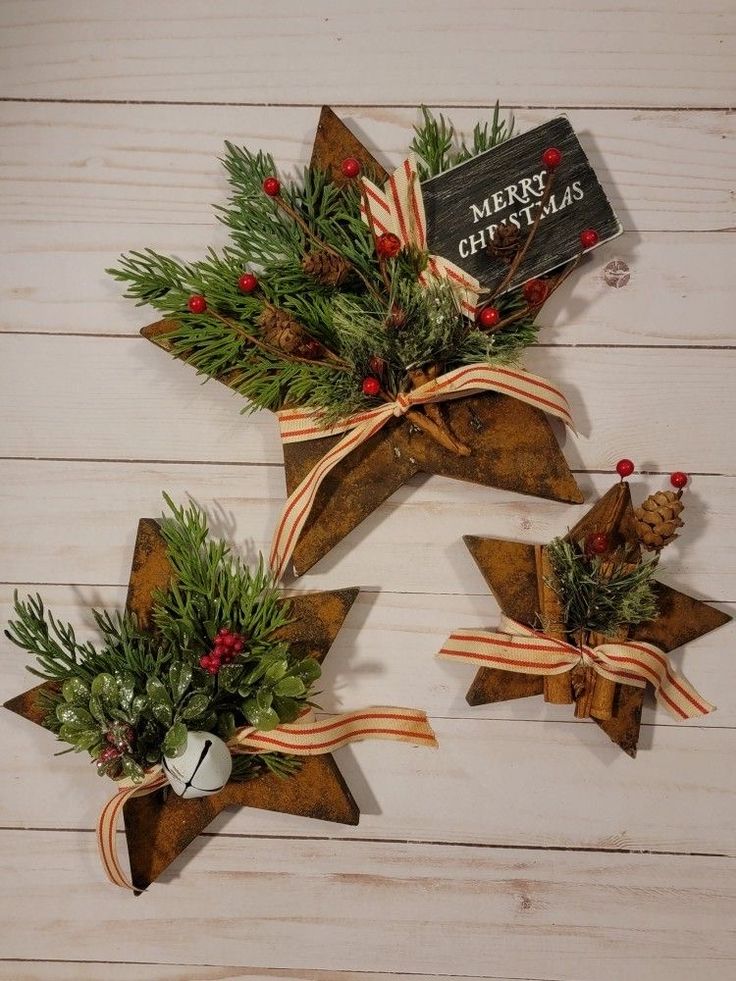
(377, 310)
(141, 691)
(596, 597)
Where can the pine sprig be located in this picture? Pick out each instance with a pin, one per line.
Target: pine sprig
(439, 147)
(141, 691)
(594, 597)
(309, 340)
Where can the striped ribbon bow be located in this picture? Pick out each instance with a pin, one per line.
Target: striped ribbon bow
(519, 648)
(301, 424)
(305, 737)
(399, 210)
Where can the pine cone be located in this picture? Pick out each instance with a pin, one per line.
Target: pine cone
(505, 243)
(658, 519)
(327, 268)
(282, 330)
(396, 318)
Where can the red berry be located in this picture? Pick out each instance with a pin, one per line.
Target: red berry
(248, 283)
(388, 245)
(678, 479)
(625, 468)
(350, 167)
(272, 187)
(197, 303)
(597, 543)
(237, 646)
(552, 157)
(108, 753)
(488, 317)
(535, 291)
(588, 238)
(371, 385)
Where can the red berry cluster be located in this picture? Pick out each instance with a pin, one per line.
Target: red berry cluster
(226, 646)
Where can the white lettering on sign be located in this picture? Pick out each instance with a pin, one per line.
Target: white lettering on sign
(525, 192)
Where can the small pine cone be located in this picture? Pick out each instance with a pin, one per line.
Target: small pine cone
(327, 268)
(505, 243)
(658, 519)
(396, 318)
(282, 330)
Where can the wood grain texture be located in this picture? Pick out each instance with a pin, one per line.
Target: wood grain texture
(591, 54)
(129, 166)
(409, 628)
(46, 288)
(82, 181)
(70, 970)
(576, 905)
(482, 776)
(69, 521)
(123, 399)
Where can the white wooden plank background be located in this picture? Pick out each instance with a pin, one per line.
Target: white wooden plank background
(526, 847)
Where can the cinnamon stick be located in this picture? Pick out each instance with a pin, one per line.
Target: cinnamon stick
(597, 698)
(557, 687)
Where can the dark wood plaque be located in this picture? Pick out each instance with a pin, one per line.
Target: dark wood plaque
(465, 205)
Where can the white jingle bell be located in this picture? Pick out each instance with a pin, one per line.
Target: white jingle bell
(202, 768)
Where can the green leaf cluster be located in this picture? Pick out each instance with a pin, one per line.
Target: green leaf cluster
(142, 691)
(354, 320)
(596, 598)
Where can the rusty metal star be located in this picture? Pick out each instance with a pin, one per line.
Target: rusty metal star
(160, 826)
(514, 574)
(513, 445)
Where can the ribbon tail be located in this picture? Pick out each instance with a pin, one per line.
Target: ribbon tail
(334, 731)
(484, 648)
(299, 504)
(108, 821)
(679, 697)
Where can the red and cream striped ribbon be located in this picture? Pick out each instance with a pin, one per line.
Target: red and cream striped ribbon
(305, 737)
(399, 210)
(312, 737)
(107, 822)
(302, 424)
(519, 648)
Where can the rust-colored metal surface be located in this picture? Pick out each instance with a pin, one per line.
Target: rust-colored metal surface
(513, 445)
(159, 827)
(511, 572)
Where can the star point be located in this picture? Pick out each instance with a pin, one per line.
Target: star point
(159, 826)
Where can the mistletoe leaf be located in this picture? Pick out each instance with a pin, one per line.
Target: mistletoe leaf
(75, 690)
(105, 686)
(175, 740)
(180, 676)
(263, 719)
(73, 715)
(196, 706)
(290, 687)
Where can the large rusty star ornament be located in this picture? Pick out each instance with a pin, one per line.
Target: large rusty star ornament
(158, 827)
(512, 444)
(515, 575)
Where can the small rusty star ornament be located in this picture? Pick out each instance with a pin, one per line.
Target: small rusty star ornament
(513, 446)
(160, 826)
(515, 575)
